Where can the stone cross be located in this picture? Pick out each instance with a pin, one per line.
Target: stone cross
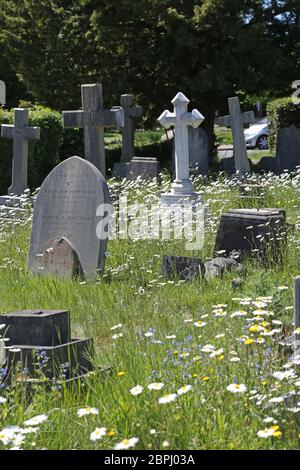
(181, 119)
(93, 118)
(2, 92)
(297, 314)
(131, 113)
(235, 120)
(20, 133)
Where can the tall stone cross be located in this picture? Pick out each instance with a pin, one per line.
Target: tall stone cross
(131, 114)
(20, 133)
(93, 118)
(181, 119)
(235, 120)
(2, 92)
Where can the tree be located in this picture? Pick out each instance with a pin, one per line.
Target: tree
(209, 49)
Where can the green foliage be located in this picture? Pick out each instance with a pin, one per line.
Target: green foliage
(133, 293)
(43, 154)
(281, 113)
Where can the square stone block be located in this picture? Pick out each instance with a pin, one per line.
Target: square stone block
(250, 231)
(37, 327)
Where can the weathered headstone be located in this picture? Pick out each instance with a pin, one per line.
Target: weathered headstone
(198, 151)
(143, 167)
(40, 340)
(250, 231)
(93, 118)
(66, 219)
(182, 188)
(235, 120)
(2, 92)
(21, 132)
(131, 114)
(288, 149)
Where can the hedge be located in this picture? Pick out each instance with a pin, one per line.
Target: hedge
(281, 113)
(56, 144)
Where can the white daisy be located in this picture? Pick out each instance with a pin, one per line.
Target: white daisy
(183, 390)
(236, 388)
(156, 386)
(137, 390)
(97, 434)
(167, 398)
(87, 411)
(127, 443)
(36, 420)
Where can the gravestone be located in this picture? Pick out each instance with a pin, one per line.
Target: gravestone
(40, 341)
(93, 118)
(252, 231)
(288, 149)
(2, 92)
(65, 221)
(182, 188)
(198, 151)
(235, 120)
(143, 167)
(21, 133)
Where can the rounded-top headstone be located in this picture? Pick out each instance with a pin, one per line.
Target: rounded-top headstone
(66, 207)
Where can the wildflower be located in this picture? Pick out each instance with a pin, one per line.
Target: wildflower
(137, 390)
(238, 313)
(268, 419)
(121, 373)
(276, 400)
(166, 444)
(156, 386)
(273, 431)
(235, 359)
(127, 443)
(282, 288)
(183, 390)
(281, 375)
(171, 337)
(249, 341)
(3, 400)
(116, 326)
(117, 335)
(205, 378)
(36, 420)
(236, 388)
(111, 433)
(148, 334)
(98, 434)
(152, 432)
(167, 398)
(87, 411)
(199, 324)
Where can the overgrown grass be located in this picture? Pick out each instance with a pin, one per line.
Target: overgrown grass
(166, 329)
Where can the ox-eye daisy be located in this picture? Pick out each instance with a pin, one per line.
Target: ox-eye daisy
(236, 388)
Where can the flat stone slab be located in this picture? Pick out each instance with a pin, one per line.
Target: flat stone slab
(36, 327)
(143, 167)
(250, 231)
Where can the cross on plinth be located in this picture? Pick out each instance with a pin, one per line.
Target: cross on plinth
(93, 118)
(2, 92)
(235, 120)
(181, 119)
(131, 114)
(20, 132)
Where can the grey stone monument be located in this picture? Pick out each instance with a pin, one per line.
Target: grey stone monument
(252, 231)
(198, 151)
(235, 120)
(2, 92)
(143, 167)
(93, 118)
(67, 220)
(288, 149)
(182, 188)
(41, 341)
(21, 132)
(131, 114)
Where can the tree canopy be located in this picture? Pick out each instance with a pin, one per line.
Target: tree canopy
(209, 49)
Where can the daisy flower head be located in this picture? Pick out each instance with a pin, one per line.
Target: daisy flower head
(87, 411)
(98, 434)
(156, 386)
(167, 398)
(137, 390)
(36, 420)
(127, 443)
(236, 388)
(183, 390)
